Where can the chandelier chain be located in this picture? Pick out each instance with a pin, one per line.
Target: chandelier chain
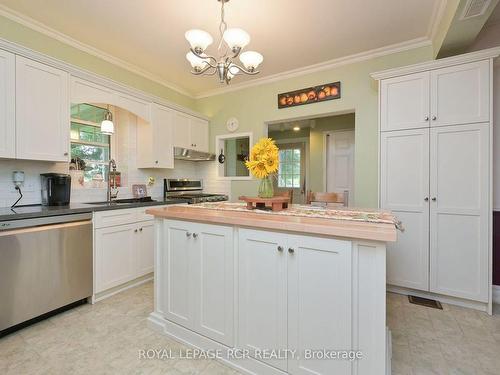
(222, 29)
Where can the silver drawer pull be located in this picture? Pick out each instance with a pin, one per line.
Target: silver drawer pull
(291, 250)
(195, 235)
(188, 234)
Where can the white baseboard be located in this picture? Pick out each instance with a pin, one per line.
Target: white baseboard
(496, 294)
(481, 306)
(120, 288)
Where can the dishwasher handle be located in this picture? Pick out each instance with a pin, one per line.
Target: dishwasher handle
(39, 228)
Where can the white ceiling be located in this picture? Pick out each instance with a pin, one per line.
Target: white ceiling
(149, 34)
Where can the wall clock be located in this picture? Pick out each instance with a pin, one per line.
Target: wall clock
(232, 124)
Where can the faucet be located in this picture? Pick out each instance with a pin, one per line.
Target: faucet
(112, 191)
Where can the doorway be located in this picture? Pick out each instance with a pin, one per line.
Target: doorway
(291, 177)
(339, 168)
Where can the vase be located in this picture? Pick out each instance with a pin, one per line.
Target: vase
(266, 189)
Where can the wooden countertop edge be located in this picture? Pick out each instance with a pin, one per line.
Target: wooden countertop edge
(304, 225)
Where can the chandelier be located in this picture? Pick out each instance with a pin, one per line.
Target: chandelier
(231, 43)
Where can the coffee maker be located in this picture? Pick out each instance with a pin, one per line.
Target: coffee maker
(56, 189)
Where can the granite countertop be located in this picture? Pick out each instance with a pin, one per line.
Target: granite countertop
(34, 211)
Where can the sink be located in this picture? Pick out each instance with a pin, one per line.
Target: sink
(125, 200)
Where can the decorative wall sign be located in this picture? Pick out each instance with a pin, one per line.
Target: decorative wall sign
(309, 95)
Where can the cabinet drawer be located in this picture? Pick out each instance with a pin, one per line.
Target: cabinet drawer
(143, 216)
(115, 217)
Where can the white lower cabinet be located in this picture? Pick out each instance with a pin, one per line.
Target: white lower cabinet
(199, 278)
(283, 281)
(123, 247)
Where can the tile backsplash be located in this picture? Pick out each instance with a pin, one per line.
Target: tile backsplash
(124, 151)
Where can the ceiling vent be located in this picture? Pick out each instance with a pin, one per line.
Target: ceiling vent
(475, 8)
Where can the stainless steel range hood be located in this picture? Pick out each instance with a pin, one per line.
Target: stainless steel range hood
(181, 153)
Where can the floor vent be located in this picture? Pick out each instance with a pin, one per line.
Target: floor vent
(475, 8)
(425, 302)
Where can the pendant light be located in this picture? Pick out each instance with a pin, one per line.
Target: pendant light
(107, 126)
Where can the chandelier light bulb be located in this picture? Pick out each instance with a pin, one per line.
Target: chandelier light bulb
(198, 39)
(251, 59)
(196, 62)
(236, 38)
(107, 126)
(232, 71)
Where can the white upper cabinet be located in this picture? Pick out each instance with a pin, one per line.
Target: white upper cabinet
(404, 189)
(190, 132)
(135, 105)
(199, 134)
(405, 102)
(460, 213)
(460, 94)
(42, 111)
(155, 139)
(7, 105)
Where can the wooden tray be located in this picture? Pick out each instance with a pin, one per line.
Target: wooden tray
(273, 204)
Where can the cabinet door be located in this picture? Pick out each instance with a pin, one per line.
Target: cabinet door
(115, 256)
(214, 282)
(145, 248)
(7, 105)
(177, 261)
(404, 189)
(404, 102)
(460, 94)
(199, 134)
(262, 310)
(162, 123)
(459, 211)
(319, 302)
(181, 130)
(42, 111)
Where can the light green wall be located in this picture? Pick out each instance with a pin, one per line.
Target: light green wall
(34, 40)
(254, 106)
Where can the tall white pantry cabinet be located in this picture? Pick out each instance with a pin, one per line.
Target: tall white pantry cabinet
(435, 174)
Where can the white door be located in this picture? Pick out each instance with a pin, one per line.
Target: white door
(42, 111)
(340, 162)
(460, 94)
(262, 299)
(115, 255)
(162, 123)
(319, 302)
(404, 102)
(199, 134)
(459, 212)
(182, 130)
(145, 248)
(7, 105)
(404, 189)
(177, 265)
(212, 273)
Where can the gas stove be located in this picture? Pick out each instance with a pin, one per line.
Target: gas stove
(190, 190)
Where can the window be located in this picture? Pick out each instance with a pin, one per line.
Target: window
(289, 169)
(87, 141)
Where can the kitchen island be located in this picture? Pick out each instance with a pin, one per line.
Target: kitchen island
(297, 292)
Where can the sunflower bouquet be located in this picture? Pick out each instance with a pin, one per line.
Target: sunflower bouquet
(263, 164)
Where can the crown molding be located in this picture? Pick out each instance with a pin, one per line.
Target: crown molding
(327, 65)
(490, 53)
(63, 38)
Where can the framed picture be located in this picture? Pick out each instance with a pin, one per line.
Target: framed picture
(309, 95)
(139, 191)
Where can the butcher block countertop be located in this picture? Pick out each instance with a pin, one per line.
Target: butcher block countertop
(354, 224)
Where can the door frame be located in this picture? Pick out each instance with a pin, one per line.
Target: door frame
(325, 162)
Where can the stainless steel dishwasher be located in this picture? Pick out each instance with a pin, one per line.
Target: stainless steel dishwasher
(45, 264)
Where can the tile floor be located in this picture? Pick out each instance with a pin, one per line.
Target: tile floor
(106, 339)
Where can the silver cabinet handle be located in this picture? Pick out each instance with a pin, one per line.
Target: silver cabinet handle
(140, 229)
(434, 199)
(291, 250)
(156, 161)
(426, 118)
(426, 199)
(135, 230)
(188, 234)
(434, 118)
(65, 154)
(195, 235)
(280, 248)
